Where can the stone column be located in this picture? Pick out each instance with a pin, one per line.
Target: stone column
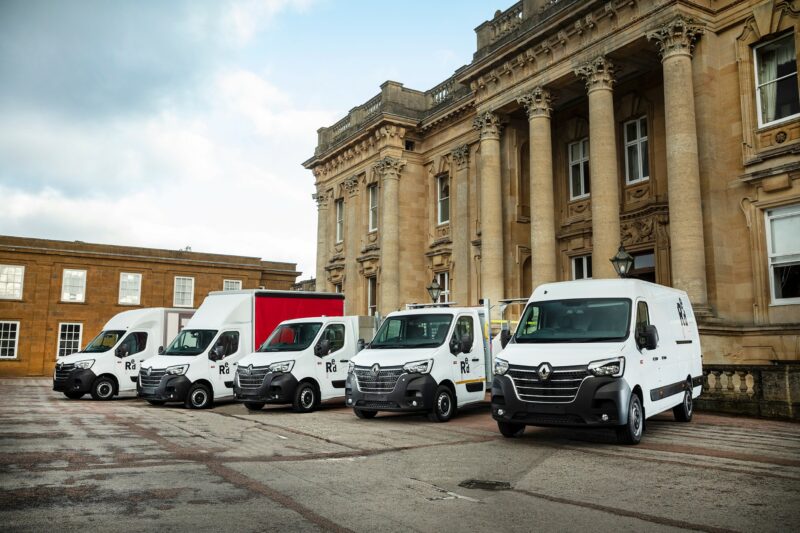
(322, 239)
(603, 173)
(492, 222)
(676, 41)
(352, 246)
(543, 224)
(388, 170)
(459, 230)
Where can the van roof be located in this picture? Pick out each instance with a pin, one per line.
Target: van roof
(138, 317)
(435, 310)
(285, 294)
(601, 288)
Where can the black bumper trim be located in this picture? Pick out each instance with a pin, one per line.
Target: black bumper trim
(276, 388)
(79, 380)
(169, 389)
(409, 388)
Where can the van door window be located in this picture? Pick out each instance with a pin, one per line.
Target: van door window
(642, 316)
(464, 326)
(229, 341)
(135, 342)
(334, 333)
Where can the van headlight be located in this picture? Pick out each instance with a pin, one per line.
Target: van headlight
(613, 367)
(177, 370)
(85, 364)
(418, 367)
(283, 366)
(500, 366)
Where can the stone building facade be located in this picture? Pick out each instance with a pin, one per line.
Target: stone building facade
(56, 296)
(671, 127)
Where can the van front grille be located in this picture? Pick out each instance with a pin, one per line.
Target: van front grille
(152, 379)
(561, 386)
(382, 382)
(251, 377)
(63, 371)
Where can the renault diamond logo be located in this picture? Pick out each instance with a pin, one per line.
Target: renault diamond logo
(250, 369)
(376, 369)
(149, 370)
(544, 371)
(59, 365)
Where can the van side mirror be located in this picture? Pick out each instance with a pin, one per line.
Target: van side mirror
(455, 346)
(216, 353)
(505, 337)
(322, 348)
(160, 350)
(360, 345)
(466, 343)
(122, 351)
(647, 337)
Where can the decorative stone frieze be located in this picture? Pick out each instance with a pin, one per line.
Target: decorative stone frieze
(389, 167)
(537, 102)
(598, 73)
(350, 185)
(676, 37)
(488, 124)
(460, 156)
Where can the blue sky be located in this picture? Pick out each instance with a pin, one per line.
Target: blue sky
(185, 122)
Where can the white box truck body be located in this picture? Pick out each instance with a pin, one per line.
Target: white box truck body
(199, 365)
(109, 364)
(429, 360)
(607, 353)
(303, 362)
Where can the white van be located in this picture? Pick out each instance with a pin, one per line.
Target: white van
(606, 353)
(431, 360)
(109, 364)
(198, 367)
(302, 363)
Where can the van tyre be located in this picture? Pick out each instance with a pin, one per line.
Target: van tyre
(73, 395)
(361, 413)
(683, 411)
(305, 398)
(156, 402)
(103, 388)
(254, 406)
(510, 430)
(444, 405)
(631, 433)
(199, 397)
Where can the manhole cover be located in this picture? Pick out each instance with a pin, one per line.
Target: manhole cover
(485, 484)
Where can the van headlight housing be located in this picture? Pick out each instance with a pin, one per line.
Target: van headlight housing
(419, 367)
(500, 366)
(613, 367)
(177, 370)
(282, 367)
(85, 364)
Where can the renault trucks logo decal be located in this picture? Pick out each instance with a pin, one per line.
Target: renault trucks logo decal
(247, 370)
(376, 369)
(149, 370)
(544, 371)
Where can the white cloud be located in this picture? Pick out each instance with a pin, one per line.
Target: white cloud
(245, 18)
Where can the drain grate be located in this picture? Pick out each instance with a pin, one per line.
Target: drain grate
(484, 484)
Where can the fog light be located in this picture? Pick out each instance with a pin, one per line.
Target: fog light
(414, 403)
(604, 418)
(501, 412)
(349, 401)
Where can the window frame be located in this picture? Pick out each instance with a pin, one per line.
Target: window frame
(138, 289)
(586, 260)
(339, 212)
(224, 281)
(16, 324)
(21, 283)
(175, 292)
(644, 174)
(59, 339)
(788, 211)
(444, 294)
(757, 86)
(584, 158)
(372, 199)
(63, 279)
(442, 179)
(372, 295)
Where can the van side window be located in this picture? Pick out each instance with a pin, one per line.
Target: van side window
(136, 342)
(335, 334)
(642, 316)
(464, 326)
(229, 341)
(531, 325)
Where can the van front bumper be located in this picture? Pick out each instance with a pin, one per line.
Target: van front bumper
(169, 389)
(596, 397)
(413, 392)
(276, 388)
(79, 380)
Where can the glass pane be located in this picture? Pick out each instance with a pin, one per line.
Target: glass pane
(645, 160)
(444, 210)
(633, 162)
(786, 235)
(578, 265)
(643, 127)
(574, 152)
(644, 261)
(586, 182)
(586, 148)
(630, 132)
(575, 177)
(786, 280)
(588, 266)
(787, 99)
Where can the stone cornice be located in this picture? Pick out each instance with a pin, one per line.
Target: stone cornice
(488, 124)
(676, 37)
(358, 149)
(537, 102)
(598, 73)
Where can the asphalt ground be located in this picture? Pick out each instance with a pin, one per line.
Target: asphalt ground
(127, 466)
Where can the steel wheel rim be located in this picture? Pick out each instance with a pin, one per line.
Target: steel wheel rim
(636, 414)
(104, 390)
(443, 403)
(307, 398)
(687, 403)
(199, 398)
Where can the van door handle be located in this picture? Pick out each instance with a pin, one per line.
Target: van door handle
(475, 360)
(344, 360)
(655, 358)
(663, 357)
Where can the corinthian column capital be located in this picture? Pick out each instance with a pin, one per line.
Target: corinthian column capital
(676, 37)
(321, 198)
(536, 102)
(389, 167)
(460, 156)
(488, 124)
(351, 185)
(597, 73)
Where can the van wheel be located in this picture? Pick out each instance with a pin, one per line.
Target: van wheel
(510, 430)
(444, 405)
(305, 398)
(361, 413)
(156, 402)
(254, 406)
(199, 397)
(683, 412)
(631, 433)
(103, 389)
(73, 395)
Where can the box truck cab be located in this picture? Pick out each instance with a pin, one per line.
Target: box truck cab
(302, 363)
(429, 360)
(109, 364)
(599, 353)
(199, 366)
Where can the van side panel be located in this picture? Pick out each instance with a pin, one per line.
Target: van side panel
(271, 310)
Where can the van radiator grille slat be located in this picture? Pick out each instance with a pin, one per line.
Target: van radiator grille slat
(63, 372)
(251, 380)
(152, 380)
(561, 386)
(384, 382)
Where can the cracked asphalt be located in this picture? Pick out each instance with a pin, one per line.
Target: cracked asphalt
(127, 466)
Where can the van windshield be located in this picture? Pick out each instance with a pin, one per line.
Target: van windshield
(578, 320)
(191, 342)
(412, 331)
(104, 342)
(291, 337)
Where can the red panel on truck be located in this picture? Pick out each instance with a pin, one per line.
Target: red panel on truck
(272, 309)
